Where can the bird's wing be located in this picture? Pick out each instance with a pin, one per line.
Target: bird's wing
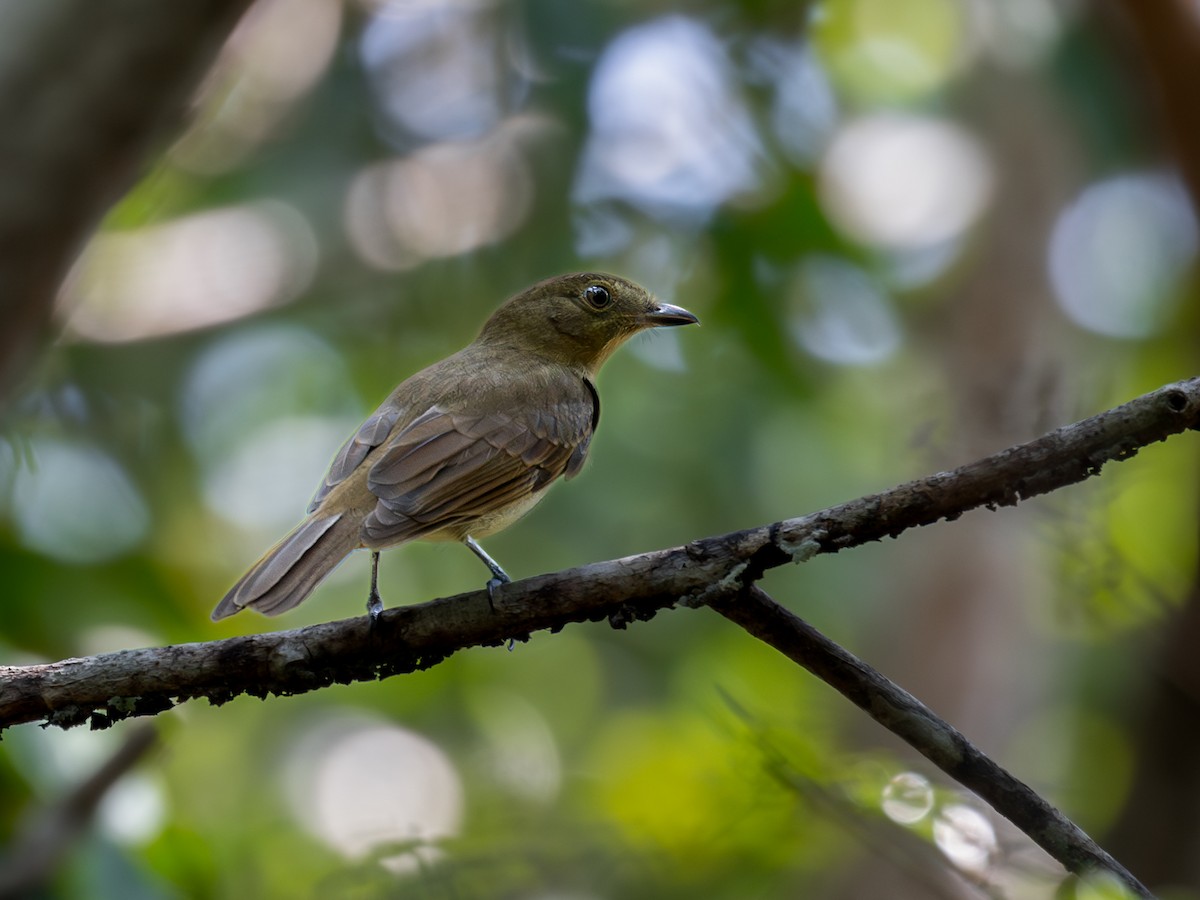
(447, 469)
(370, 435)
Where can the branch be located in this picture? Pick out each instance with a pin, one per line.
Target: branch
(909, 719)
(102, 689)
(142, 682)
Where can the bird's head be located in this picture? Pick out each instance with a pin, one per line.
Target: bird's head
(579, 320)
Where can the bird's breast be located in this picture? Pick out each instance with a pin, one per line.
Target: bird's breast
(495, 520)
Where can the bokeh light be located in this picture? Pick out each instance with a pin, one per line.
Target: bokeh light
(907, 798)
(359, 784)
(74, 503)
(840, 314)
(134, 809)
(275, 57)
(264, 482)
(192, 272)
(48, 759)
(904, 182)
(965, 836)
(444, 200)
(804, 110)
(282, 369)
(440, 71)
(878, 51)
(669, 132)
(1119, 252)
(1019, 34)
(260, 471)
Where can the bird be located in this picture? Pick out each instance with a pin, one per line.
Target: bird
(467, 446)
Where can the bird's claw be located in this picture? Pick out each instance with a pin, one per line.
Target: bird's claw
(493, 585)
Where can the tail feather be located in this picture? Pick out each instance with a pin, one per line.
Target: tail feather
(288, 572)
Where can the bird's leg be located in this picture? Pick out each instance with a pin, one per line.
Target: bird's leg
(499, 576)
(374, 601)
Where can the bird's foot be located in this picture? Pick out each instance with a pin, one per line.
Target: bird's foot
(499, 576)
(374, 606)
(374, 601)
(493, 585)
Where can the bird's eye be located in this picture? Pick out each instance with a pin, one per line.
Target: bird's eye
(597, 296)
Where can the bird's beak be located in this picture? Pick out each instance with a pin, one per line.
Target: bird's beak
(666, 314)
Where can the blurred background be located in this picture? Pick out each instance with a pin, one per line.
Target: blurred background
(915, 234)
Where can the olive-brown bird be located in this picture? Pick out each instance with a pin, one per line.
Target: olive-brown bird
(465, 447)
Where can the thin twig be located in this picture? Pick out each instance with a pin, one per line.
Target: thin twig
(911, 720)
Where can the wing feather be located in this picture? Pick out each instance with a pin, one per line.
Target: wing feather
(370, 435)
(448, 470)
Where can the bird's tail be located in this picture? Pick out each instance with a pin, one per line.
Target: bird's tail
(288, 572)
